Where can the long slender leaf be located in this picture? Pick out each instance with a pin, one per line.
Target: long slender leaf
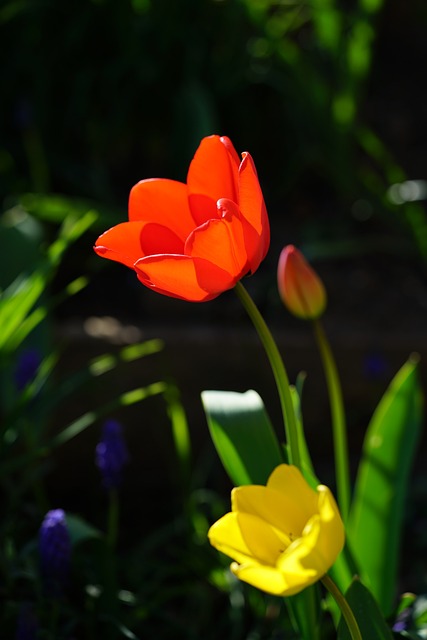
(41, 312)
(98, 366)
(80, 424)
(382, 483)
(19, 299)
(180, 431)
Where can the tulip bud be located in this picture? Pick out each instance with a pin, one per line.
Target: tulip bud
(111, 454)
(300, 288)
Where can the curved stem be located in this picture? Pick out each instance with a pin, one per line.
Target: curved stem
(345, 608)
(339, 428)
(279, 372)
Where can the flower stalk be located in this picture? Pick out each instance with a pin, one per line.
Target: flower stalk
(113, 519)
(339, 429)
(344, 607)
(279, 372)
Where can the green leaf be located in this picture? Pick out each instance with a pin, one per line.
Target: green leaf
(180, 430)
(17, 302)
(81, 530)
(242, 434)
(367, 613)
(375, 524)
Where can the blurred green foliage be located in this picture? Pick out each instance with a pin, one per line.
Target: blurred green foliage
(99, 94)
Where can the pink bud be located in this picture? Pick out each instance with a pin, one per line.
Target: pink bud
(300, 288)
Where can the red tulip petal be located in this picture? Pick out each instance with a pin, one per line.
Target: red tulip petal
(155, 239)
(231, 150)
(162, 201)
(252, 207)
(221, 241)
(121, 243)
(184, 277)
(213, 174)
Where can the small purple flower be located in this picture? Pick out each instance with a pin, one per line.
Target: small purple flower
(26, 368)
(403, 620)
(55, 551)
(27, 627)
(111, 454)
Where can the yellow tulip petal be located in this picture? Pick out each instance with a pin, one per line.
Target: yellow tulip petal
(313, 554)
(272, 580)
(332, 536)
(242, 536)
(301, 557)
(226, 536)
(263, 540)
(267, 579)
(283, 511)
(289, 480)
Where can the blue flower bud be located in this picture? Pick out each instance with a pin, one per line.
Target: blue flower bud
(55, 551)
(111, 454)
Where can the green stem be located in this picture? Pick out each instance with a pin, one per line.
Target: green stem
(109, 593)
(345, 608)
(113, 519)
(54, 619)
(279, 372)
(339, 428)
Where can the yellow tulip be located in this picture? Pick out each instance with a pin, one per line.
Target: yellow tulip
(282, 537)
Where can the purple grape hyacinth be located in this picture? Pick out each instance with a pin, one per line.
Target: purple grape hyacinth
(54, 551)
(26, 367)
(111, 454)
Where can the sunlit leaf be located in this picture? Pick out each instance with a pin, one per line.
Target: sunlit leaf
(375, 524)
(242, 434)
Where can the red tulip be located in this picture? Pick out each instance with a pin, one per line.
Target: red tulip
(300, 287)
(193, 241)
